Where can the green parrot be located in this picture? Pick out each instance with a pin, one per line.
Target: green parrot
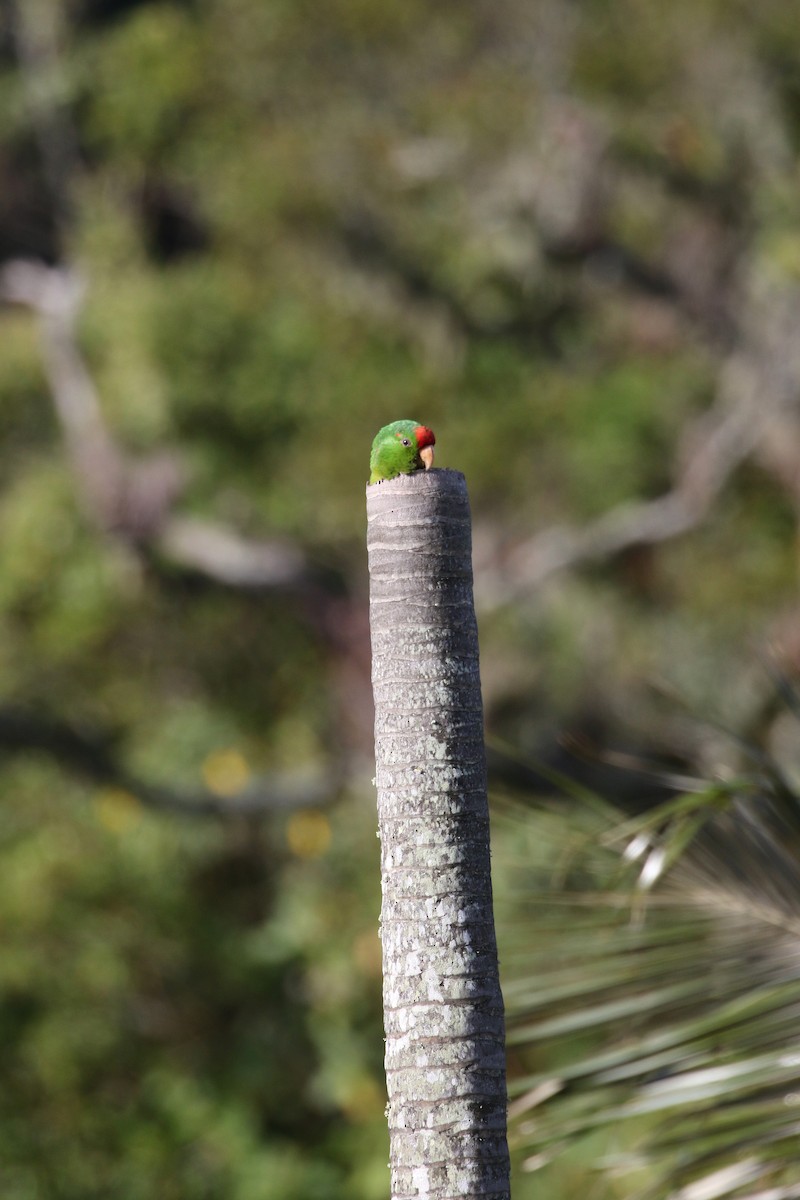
(399, 449)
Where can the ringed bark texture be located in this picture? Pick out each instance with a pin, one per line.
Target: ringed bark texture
(443, 1009)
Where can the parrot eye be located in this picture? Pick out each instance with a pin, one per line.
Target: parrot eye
(406, 442)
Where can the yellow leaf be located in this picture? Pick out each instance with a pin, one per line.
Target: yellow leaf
(363, 1099)
(226, 772)
(117, 810)
(308, 834)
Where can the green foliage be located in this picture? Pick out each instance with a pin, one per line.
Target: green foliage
(211, 326)
(642, 1043)
(539, 229)
(154, 1055)
(143, 80)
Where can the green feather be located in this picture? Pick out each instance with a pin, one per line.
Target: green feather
(394, 451)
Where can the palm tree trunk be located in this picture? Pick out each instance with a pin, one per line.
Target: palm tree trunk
(443, 1009)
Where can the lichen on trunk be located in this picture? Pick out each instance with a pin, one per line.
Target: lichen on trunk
(443, 1009)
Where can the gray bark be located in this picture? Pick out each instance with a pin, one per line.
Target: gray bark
(443, 1009)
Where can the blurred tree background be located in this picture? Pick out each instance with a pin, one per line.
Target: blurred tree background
(237, 237)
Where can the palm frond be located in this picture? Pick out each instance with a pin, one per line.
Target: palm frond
(653, 987)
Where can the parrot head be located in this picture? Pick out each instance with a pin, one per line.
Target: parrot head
(399, 449)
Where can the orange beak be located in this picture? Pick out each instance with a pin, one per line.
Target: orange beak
(425, 441)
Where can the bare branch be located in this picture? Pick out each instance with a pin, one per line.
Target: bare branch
(55, 295)
(275, 792)
(92, 755)
(221, 554)
(131, 499)
(753, 392)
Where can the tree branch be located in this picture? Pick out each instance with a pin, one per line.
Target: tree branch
(754, 390)
(131, 499)
(91, 754)
(222, 554)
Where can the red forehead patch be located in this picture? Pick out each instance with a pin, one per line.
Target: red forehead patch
(425, 437)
